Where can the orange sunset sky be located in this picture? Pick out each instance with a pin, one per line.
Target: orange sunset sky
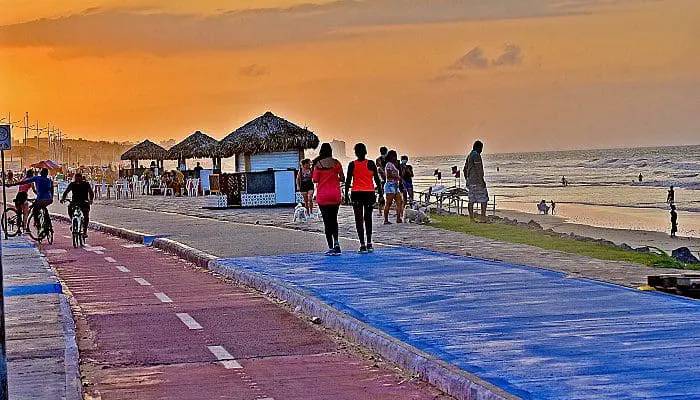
(425, 76)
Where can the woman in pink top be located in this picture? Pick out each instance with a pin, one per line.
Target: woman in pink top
(21, 203)
(328, 173)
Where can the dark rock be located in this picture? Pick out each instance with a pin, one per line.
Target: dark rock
(534, 225)
(684, 255)
(625, 246)
(316, 320)
(644, 250)
(605, 242)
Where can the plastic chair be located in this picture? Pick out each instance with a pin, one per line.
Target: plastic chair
(168, 189)
(193, 187)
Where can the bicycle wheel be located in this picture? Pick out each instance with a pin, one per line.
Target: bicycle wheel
(12, 222)
(33, 226)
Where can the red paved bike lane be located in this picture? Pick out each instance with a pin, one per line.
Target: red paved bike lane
(152, 326)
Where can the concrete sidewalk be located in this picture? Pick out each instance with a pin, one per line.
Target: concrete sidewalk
(42, 354)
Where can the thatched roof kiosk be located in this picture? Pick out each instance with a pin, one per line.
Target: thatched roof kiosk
(197, 145)
(268, 142)
(145, 150)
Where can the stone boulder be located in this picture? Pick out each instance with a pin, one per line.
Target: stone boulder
(625, 246)
(644, 249)
(684, 255)
(534, 225)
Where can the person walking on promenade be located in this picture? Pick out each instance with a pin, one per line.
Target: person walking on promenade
(327, 174)
(640, 178)
(361, 174)
(474, 174)
(381, 167)
(553, 207)
(391, 188)
(406, 171)
(306, 186)
(671, 198)
(674, 221)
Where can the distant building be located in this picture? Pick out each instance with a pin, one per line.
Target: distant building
(339, 148)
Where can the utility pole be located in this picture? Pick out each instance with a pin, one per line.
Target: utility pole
(26, 133)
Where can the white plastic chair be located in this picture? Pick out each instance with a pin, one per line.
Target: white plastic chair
(167, 190)
(193, 187)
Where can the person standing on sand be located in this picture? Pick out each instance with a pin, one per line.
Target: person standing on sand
(474, 174)
(327, 174)
(406, 171)
(671, 198)
(553, 207)
(361, 173)
(674, 221)
(640, 177)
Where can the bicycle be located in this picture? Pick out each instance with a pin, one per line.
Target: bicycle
(76, 225)
(39, 224)
(12, 221)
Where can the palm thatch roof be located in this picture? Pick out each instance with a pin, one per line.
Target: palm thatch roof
(267, 134)
(197, 145)
(145, 150)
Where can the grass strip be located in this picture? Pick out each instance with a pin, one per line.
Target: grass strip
(544, 240)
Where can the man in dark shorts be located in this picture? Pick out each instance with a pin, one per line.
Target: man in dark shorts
(82, 197)
(674, 221)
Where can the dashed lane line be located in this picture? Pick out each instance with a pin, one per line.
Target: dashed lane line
(99, 252)
(224, 357)
(110, 259)
(189, 321)
(123, 268)
(132, 245)
(56, 251)
(163, 297)
(142, 282)
(68, 237)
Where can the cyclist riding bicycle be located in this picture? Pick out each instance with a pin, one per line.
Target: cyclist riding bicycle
(82, 198)
(44, 192)
(22, 199)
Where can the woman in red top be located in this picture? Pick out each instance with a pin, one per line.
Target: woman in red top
(328, 173)
(362, 177)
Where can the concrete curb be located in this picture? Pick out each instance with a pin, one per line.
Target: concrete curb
(71, 356)
(74, 386)
(444, 376)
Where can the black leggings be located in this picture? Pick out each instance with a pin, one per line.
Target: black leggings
(330, 222)
(363, 216)
(363, 205)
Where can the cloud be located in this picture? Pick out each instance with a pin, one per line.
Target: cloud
(474, 59)
(253, 71)
(155, 31)
(512, 55)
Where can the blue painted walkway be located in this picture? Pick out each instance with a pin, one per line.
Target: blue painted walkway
(532, 332)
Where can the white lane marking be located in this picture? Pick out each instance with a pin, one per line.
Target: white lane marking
(142, 282)
(56, 251)
(163, 297)
(110, 259)
(189, 321)
(95, 248)
(68, 237)
(225, 357)
(99, 252)
(123, 268)
(132, 245)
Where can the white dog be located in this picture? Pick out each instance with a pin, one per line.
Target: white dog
(417, 215)
(299, 213)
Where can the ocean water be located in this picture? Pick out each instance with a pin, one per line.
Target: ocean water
(603, 187)
(603, 184)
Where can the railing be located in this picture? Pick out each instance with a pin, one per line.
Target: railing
(447, 200)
